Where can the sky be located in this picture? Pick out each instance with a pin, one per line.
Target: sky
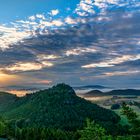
(78, 42)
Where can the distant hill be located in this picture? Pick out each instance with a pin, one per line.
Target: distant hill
(90, 87)
(113, 92)
(56, 107)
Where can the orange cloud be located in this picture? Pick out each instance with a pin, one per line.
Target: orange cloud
(45, 82)
(7, 79)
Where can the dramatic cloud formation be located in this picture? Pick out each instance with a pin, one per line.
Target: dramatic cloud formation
(11, 36)
(93, 42)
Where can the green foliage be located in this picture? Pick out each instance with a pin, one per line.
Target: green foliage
(6, 101)
(120, 138)
(132, 118)
(2, 129)
(43, 134)
(115, 106)
(60, 108)
(92, 131)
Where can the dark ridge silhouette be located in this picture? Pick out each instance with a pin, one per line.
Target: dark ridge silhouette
(94, 93)
(90, 86)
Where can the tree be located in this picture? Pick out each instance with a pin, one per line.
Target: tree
(92, 131)
(115, 106)
(132, 118)
(2, 129)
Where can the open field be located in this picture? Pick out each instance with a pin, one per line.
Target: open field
(108, 101)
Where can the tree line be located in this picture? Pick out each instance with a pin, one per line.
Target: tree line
(91, 131)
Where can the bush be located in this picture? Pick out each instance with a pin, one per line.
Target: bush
(115, 106)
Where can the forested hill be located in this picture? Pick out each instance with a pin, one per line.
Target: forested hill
(57, 107)
(94, 93)
(6, 100)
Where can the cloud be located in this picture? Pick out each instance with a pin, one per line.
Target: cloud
(32, 18)
(102, 64)
(85, 7)
(7, 79)
(47, 64)
(57, 23)
(47, 57)
(27, 66)
(109, 75)
(24, 67)
(41, 16)
(122, 73)
(23, 29)
(113, 62)
(70, 20)
(44, 81)
(54, 12)
(80, 51)
(37, 16)
(10, 36)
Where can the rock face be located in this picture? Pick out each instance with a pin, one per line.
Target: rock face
(57, 107)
